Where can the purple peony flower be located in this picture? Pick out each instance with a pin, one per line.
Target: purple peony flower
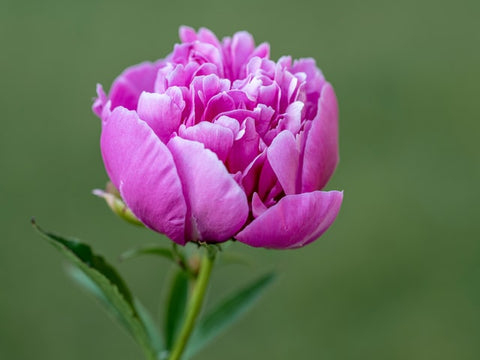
(217, 141)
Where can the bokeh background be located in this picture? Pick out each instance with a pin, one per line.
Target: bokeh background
(396, 277)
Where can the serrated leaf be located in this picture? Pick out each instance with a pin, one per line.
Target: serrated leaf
(101, 279)
(175, 306)
(227, 313)
(148, 250)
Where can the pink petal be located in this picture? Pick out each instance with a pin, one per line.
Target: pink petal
(258, 207)
(293, 117)
(321, 143)
(162, 112)
(187, 34)
(217, 204)
(207, 36)
(283, 156)
(126, 89)
(262, 51)
(143, 170)
(229, 123)
(219, 104)
(267, 179)
(215, 137)
(100, 101)
(245, 149)
(251, 174)
(313, 84)
(243, 46)
(294, 221)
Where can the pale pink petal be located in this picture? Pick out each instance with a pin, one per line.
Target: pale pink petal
(215, 137)
(187, 34)
(162, 112)
(293, 117)
(283, 156)
(243, 46)
(228, 123)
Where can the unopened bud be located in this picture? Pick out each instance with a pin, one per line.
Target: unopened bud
(115, 202)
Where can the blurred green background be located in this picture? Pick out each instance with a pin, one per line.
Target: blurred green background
(396, 277)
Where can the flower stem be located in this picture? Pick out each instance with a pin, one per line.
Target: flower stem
(194, 305)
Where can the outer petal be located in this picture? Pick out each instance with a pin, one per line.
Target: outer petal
(143, 170)
(218, 205)
(162, 112)
(294, 221)
(320, 155)
(283, 157)
(127, 88)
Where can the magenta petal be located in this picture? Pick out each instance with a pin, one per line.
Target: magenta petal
(244, 149)
(258, 207)
(162, 112)
(215, 137)
(218, 104)
(294, 221)
(100, 101)
(321, 144)
(283, 157)
(142, 168)
(127, 88)
(243, 46)
(228, 123)
(293, 117)
(187, 34)
(218, 205)
(207, 36)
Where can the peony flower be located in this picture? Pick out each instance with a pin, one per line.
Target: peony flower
(217, 141)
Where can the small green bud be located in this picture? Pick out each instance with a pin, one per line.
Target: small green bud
(115, 202)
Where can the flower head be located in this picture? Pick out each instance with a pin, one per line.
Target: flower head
(218, 141)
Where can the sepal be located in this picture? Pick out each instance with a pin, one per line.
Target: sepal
(116, 204)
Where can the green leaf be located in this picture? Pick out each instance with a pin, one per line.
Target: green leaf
(227, 313)
(154, 334)
(175, 306)
(102, 280)
(148, 250)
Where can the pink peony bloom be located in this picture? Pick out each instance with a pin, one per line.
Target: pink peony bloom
(217, 141)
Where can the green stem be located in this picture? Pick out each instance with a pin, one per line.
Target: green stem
(194, 305)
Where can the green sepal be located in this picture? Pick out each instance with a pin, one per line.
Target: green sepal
(226, 313)
(116, 204)
(101, 279)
